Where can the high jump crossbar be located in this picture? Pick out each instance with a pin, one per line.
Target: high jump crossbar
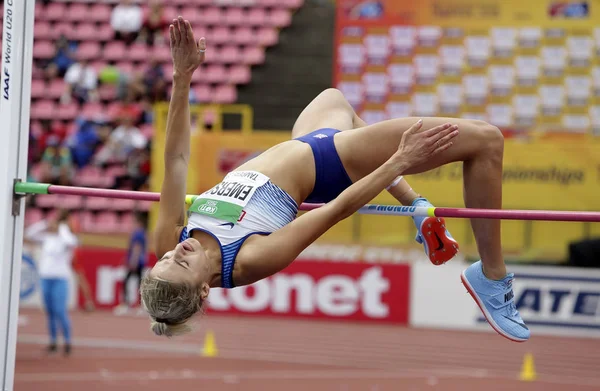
(22, 188)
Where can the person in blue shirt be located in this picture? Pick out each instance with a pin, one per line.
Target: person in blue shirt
(136, 259)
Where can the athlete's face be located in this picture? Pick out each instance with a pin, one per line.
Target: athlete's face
(187, 263)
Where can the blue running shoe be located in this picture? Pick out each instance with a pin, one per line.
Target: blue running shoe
(439, 245)
(497, 302)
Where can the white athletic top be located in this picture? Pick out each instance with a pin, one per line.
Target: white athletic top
(56, 249)
(243, 204)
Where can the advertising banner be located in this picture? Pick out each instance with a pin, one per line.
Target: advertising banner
(309, 288)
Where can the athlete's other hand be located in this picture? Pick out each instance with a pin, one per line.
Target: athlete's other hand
(416, 146)
(187, 53)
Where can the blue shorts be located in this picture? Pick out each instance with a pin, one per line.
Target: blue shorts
(331, 176)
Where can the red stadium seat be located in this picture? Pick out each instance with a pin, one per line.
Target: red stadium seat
(225, 94)
(43, 50)
(243, 36)
(267, 36)
(239, 74)
(100, 12)
(77, 12)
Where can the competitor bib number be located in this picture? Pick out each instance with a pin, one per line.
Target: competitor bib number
(227, 200)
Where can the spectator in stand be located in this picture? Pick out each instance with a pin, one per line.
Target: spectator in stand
(136, 260)
(57, 165)
(138, 169)
(64, 57)
(58, 243)
(126, 21)
(154, 82)
(86, 139)
(81, 83)
(122, 141)
(154, 25)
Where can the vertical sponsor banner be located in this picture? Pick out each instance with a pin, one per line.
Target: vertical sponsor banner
(309, 288)
(560, 301)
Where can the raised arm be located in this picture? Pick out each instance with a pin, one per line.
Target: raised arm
(262, 258)
(187, 55)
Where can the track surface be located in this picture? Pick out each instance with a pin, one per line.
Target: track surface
(119, 353)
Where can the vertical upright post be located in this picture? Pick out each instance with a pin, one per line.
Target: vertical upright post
(15, 95)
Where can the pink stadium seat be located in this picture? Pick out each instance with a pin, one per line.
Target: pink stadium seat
(215, 74)
(97, 203)
(233, 16)
(162, 53)
(77, 12)
(118, 204)
(147, 131)
(107, 222)
(47, 200)
(87, 221)
(89, 176)
(225, 94)
(279, 18)
(204, 93)
(127, 222)
(115, 171)
(98, 65)
(253, 55)
(114, 51)
(43, 109)
(66, 29)
(293, 4)
(55, 11)
(100, 12)
(42, 30)
(53, 213)
(200, 30)
(67, 112)
(256, 17)
(87, 32)
(138, 52)
(239, 74)
(88, 51)
(38, 89)
(219, 35)
(243, 36)
(40, 11)
(55, 89)
(229, 55)
(192, 14)
(33, 215)
(144, 205)
(125, 67)
(212, 16)
(112, 110)
(171, 12)
(105, 33)
(107, 92)
(71, 202)
(43, 50)
(91, 110)
(267, 36)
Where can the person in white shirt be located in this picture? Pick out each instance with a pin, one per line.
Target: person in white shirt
(126, 19)
(54, 269)
(81, 83)
(122, 141)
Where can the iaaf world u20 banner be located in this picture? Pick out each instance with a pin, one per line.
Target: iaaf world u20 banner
(316, 289)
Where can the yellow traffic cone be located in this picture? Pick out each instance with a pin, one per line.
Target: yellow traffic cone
(210, 347)
(528, 368)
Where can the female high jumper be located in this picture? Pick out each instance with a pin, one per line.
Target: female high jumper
(245, 228)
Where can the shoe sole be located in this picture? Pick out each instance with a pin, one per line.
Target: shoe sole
(486, 314)
(433, 232)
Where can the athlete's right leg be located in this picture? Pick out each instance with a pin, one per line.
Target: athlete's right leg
(330, 109)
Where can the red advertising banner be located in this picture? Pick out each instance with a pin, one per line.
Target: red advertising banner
(306, 289)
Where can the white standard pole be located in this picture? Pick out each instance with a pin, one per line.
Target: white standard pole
(15, 95)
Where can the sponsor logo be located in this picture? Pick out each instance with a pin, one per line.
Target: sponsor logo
(320, 135)
(508, 296)
(209, 208)
(230, 225)
(393, 208)
(8, 20)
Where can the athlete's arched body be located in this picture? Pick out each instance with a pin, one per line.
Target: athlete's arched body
(245, 228)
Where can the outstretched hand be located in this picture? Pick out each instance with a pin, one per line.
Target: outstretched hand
(187, 53)
(416, 146)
